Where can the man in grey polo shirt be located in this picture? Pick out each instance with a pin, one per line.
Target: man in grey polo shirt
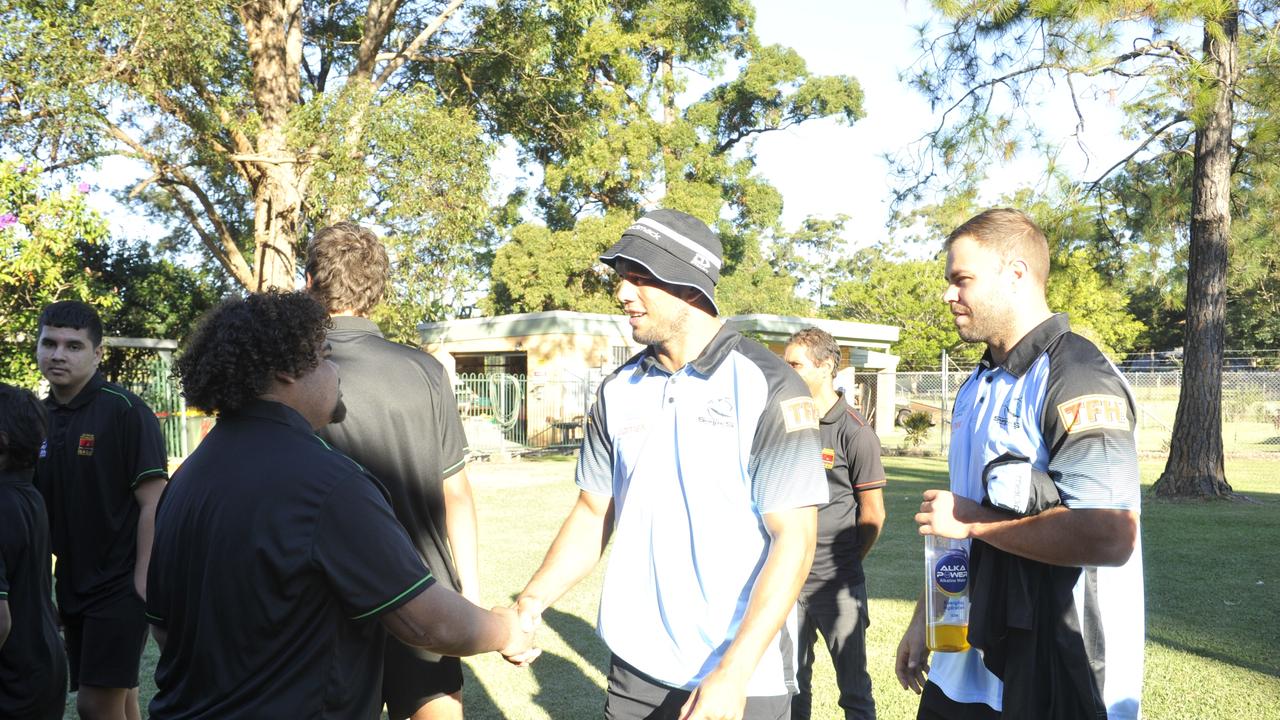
(701, 462)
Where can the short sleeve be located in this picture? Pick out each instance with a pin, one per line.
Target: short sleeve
(1088, 424)
(145, 455)
(595, 462)
(453, 438)
(786, 453)
(365, 553)
(865, 469)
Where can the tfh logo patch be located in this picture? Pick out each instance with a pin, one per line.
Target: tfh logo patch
(799, 414)
(1090, 412)
(86, 445)
(828, 458)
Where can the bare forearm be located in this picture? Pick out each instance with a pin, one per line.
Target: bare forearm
(575, 551)
(870, 519)
(1061, 536)
(6, 621)
(146, 535)
(461, 528)
(775, 591)
(444, 622)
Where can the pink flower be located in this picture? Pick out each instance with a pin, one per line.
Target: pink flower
(83, 187)
(7, 219)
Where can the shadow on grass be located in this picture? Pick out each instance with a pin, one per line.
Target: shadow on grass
(1212, 578)
(564, 690)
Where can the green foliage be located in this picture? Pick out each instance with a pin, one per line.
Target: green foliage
(541, 269)
(917, 425)
(594, 93)
(885, 288)
(42, 233)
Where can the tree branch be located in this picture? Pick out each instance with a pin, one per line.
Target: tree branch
(411, 49)
(224, 246)
(1179, 118)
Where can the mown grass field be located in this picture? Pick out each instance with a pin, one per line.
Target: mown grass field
(1212, 581)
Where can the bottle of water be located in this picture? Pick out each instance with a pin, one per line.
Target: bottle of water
(946, 594)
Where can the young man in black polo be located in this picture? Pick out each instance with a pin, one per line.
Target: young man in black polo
(33, 667)
(101, 473)
(279, 565)
(834, 598)
(402, 424)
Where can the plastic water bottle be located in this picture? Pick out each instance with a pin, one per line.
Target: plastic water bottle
(946, 594)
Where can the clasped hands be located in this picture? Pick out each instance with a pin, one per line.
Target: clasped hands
(524, 616)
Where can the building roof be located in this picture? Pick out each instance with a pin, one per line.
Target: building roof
(566, 322)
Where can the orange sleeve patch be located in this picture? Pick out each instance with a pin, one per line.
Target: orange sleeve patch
(1092, 412)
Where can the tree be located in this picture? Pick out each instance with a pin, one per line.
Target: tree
(998, 46)
(597, 94)
(42, 233)
(255, 119)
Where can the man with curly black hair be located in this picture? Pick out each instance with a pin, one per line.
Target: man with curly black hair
(279, 565)
(33, 666)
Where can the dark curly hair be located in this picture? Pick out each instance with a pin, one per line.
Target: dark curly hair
(23, 424)
(239, 346)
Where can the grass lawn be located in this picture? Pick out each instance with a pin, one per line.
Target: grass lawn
(1212, 586)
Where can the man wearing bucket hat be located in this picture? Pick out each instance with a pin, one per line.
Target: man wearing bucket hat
(700, 461)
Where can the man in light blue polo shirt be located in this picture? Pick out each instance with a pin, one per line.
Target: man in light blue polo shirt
(1044, 483)
(701, 462)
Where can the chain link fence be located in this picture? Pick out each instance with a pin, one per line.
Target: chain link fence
(1250, 407)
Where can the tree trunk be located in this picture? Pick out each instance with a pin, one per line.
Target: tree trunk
(1195, 467)
(273, 29)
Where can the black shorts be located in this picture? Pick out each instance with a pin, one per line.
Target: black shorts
(412, 677)
(104, 643)
(634, 695)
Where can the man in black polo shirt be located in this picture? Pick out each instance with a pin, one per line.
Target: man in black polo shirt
(834, 598)
(101, 473)
(33, 667)
(278, 561)
(402, 424)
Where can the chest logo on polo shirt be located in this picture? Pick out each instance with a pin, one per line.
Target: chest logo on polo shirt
(1010, 415)
(799, 414)
(719, 413)
(828, 458)
(85, 448)
(1092, 412)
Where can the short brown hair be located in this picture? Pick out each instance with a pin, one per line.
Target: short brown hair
(1011, 233)
(820, 346)
(348, 267)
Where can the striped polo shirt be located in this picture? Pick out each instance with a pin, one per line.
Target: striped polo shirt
(1060, 404)
(693, 460)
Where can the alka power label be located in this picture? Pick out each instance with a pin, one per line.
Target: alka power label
(951, 573)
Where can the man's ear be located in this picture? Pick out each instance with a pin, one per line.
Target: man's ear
(284, 377)
(307, 277)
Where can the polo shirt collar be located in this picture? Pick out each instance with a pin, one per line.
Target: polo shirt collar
(272, 411)
(837, 410)
(705, 364)
(16, 476)
(1031, 346)
(351, 323)
(82, 398)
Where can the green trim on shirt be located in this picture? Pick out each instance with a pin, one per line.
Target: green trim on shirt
(122, 396)
(395, 599)
(454, 468)
(145, 473)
